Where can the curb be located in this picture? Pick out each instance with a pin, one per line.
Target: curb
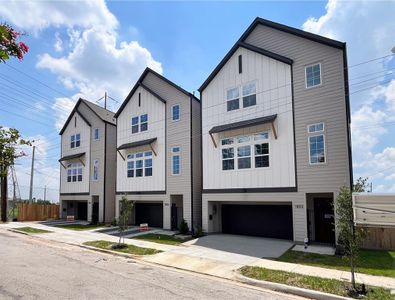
(278, 287)
(17, 231)
(115, 253)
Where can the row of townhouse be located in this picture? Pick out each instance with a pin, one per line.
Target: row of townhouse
(263, 152)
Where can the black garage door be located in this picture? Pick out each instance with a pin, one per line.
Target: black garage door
(151, 213)
(273, 221)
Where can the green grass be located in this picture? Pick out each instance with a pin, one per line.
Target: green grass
(160, 238)
(80, 227)
(130, 249)
(331, 286)
(32, 230)
(373, 262)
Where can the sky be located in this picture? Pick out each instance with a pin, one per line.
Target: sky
(84, 48)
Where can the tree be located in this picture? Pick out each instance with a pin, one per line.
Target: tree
(9, 46)
(349, 239)
(126, 208)
(9, 139)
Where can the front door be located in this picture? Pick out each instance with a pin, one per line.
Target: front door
(324, 220)
(174, 223)
(95, 212)
(82, 211)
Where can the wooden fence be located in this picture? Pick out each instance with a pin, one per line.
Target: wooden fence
(379, 238)
(37, 212)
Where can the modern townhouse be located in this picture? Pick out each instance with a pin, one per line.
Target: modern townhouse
(275, 135)
(158, 161)
(88, 161)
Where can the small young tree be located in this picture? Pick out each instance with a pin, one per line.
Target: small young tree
(126, 208)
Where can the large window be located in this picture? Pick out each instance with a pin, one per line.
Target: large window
(75, 140)
(248, 92)
(139, 164)
(175, 161)
(74, 172)
(140, 123)
(313, 75)
(252, 151)
(175, 112)
(317, 150)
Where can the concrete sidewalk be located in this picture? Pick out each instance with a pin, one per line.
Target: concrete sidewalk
(191, 257)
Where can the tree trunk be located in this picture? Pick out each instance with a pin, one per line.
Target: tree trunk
(4, 198)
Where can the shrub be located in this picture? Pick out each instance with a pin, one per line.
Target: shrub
(184, 229)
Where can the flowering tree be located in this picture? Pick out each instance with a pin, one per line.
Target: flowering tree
(9, 46)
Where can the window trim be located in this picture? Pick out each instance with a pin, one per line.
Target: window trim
(98, 134)
(313, 134)
(305, 75)
(179, 113)
(74, 166)
(133, 158)
(227, 100)
(174, 154)
(75, 140)
(242, 96)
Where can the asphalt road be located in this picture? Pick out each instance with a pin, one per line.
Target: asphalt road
(31, 268)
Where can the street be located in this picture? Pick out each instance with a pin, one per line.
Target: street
(33, 268)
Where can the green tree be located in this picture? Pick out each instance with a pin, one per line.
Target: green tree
(126, 208)
(9, 45)
(10, 138)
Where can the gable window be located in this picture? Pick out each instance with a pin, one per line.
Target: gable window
(75, 140)
(74, 172)
(175, 112)
(176, 161)
(313, 75)
(97, 134)
(135, 124)
(96, 170)
(140, 123)
(317, 151)
(139, 164)
(232, 99)
(249, 94)
(144, 122)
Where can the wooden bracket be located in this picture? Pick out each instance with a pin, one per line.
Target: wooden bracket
(212, 138)
(64, 167)
(121, 154)
(81, 162)
(274, 131)
(150, 145)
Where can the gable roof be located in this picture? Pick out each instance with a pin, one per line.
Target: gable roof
(259, 21)
(104, 114)
(140, 83)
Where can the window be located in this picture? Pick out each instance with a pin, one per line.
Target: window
(316, 143)
(74, 172)
(232, 98)
(97, 134)
(135, 124)
(175, 112)
(313, 75)
(139, 164)
(96, 169)
(175, 161)
(249, 94)
(245, 146)
(75, 140)
(144, 122)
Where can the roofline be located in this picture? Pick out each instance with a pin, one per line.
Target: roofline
(259, 21)
(105, 121)
(140, 83)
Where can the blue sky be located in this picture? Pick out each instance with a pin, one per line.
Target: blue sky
(85, 48)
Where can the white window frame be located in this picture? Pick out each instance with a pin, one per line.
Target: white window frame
(315, 134)
(232, 99)
(179, 112)
(242, 95)
(97, 129)
(75, 140)
(173, 155)
(143, 156)
(305, 76)
(141, 123)
(76, 169)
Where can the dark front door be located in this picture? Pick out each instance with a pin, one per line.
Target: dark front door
(174, 218)
(151, 213)
(82, 211)
(324, 220)
(273, 221)
(95, 212)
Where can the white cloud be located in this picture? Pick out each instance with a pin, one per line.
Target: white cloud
(58, 45)
(62, 108)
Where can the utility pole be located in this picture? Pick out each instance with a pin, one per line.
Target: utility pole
(31, 177)
(3, 198)
(105, 100)
(45, 193)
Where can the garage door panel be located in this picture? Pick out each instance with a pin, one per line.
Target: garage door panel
(151, 213)
(273, 221)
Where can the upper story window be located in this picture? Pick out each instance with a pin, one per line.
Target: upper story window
(97, 134)
(139, 164)
(140, 123)
(96, 170)
(248, 92)
(175, 112)
(74, 172)
(75, 140)
(317, 152)
(313, 75)
(176, 161)
(252, 151)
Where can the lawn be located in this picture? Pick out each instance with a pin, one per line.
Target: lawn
(331, 286)
(130, 249)
(160, 238)
(373, 262)
(32, 230)
(80, 227)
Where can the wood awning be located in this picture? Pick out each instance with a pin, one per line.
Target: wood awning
(70, 157)
(137, 144)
